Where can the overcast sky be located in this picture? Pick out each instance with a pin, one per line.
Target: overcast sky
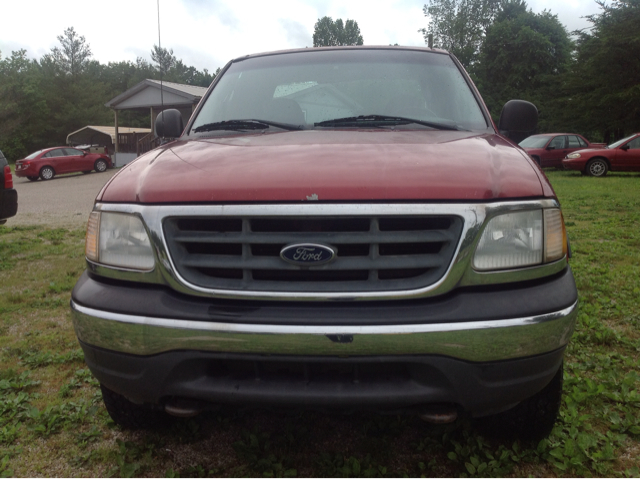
(208, 33)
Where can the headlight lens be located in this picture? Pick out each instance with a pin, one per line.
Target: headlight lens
(520, 239)
(120, 240)
(573, 156)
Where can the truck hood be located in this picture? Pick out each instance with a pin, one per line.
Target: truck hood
(345, 165)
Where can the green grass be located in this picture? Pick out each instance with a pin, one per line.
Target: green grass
(52, 422)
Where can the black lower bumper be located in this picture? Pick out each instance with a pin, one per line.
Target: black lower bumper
(388, 383)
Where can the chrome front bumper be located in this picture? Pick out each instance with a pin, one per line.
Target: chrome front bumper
(476, 341)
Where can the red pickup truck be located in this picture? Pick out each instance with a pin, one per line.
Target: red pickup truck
(337, 228)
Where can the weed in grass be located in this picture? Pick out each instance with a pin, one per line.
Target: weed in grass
(256, 450)
(186, 431)
(88, 437)
(5, 471)
(471, 453)
(80, 378)
(55, 236)
(337, 465)
(14, 407)
(193, 471)
(85, 459)
(14, 402)
(131, 459)
(632, 472)
(67, 415)
(46, 422)
(38, 359)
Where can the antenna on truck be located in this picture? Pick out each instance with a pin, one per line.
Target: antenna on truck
(161, 90)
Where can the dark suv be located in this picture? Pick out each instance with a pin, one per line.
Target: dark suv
(8, 195)
(334, 228)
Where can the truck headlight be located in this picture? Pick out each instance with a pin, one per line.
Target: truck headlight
(519, 239)
(117, 239)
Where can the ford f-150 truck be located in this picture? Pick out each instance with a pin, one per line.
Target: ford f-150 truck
(339, 228)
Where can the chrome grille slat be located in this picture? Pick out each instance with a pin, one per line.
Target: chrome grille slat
(344, 238)
(373, 254)
(383, 262)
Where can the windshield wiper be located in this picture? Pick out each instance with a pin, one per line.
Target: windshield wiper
(384, 120)
(238, 125)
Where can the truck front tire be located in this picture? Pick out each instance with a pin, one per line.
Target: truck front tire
(532, 419)
(129, 415)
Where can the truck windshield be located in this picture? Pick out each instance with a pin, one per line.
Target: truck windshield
(311, 89)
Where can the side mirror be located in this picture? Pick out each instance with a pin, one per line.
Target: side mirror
(518, 120)
(624, 147)
(169, 124)
(551, 148)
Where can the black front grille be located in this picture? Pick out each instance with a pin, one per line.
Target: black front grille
(372, 253)
(310, 372)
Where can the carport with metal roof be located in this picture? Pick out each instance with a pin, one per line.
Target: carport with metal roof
(106, 136)
(154, 96)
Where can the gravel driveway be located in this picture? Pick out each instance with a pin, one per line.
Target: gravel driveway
(62, 202)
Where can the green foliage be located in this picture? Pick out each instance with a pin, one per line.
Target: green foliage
(524, 55)
(23, 106)
(329, 33)
(256, 450)
(131, 459)
(589, 86)
(606, 76)
(193, 471)
(472, 454)
(42, 101)
(73, 56)
(163, 58)
(338, 465)
(80, 378)
(459, 26)
(38, 359)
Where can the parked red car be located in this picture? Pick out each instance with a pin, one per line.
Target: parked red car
(550, 149)
(623, 155)
(47, 163)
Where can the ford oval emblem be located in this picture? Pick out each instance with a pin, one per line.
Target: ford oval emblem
(307, 254)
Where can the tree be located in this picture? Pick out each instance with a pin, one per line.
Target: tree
(605, 82)
(41, 102)
(23, 109)
(73, 55)
(524, 55)
(459, 26)
(328, 33)
(163, 58)
(73, 89)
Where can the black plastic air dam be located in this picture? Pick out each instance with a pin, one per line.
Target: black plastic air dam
(462, 305)
(366, 383)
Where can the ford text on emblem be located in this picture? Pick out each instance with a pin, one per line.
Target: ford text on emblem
(307, 254)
